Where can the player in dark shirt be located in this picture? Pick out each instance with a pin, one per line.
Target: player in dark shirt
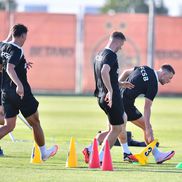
(16, 91)
(1, 108)
(107, 90)
(145, 81)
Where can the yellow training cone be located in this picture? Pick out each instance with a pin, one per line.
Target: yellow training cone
(36, 157)
(142, 157)
(72, 158)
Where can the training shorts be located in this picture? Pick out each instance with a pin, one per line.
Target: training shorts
(12, 104)
(131, 111)
(115, 113)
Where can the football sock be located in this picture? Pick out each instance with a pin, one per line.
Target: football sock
(90, 146)
(156, 152)
(101, 154)
(43, 150)
(125, 148)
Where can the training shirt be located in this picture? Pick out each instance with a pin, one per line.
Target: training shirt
(106, 56)
(145, 81)
(12, 53)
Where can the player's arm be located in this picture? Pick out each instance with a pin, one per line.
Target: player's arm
(147, 114)
(12, 74)
(122, 79)
(107, 82)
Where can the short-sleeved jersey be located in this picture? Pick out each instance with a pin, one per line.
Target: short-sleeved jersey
(12, 53)
(110, 58)
(145, 81)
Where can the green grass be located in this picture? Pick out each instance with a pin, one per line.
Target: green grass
(80, 117)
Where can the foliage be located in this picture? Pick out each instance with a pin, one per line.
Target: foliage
(9, 5)
(131, 6)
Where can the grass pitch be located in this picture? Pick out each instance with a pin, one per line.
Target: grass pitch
(80, 117)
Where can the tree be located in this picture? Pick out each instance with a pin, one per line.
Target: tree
(9, 5)
(132, 6)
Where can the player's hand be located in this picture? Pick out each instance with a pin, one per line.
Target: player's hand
(126, 84)
(149, 135)
(20, 90)
(108, 99)
(29, 65)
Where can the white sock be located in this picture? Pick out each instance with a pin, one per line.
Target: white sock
(125, 148)
(156, 152)
(90, 146)
(101, 154)
(43, 150)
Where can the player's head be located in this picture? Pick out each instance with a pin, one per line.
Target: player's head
(117, 40)
(166, 74)
(19, 31)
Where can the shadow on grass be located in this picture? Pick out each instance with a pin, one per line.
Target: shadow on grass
(121, 166)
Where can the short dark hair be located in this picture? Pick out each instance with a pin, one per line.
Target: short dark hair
(18, 29)
(118, 35)
(168, 68)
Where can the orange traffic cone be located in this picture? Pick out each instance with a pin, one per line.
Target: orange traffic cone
(94, 158)
(107, 161)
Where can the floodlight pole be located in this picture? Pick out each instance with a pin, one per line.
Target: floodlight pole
(10, 13)
(79, 52)
(151, 33)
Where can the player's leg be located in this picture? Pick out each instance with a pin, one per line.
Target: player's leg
(8, 126)
(141, 124)
(34, 121)
(117, 120)
(29, 109)
(100, 138)
(111, 137)
(1, 115)
(127, 155)
(101, 135)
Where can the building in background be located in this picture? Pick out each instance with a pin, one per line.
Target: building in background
(60, 6)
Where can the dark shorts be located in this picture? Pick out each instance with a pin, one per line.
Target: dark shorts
(115, 113)
(131, 111)
(12, 104)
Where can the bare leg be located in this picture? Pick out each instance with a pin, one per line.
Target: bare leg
(112, 135)
(1, 116)
(141, 124)
(100, 136)
(8, 126)
(34, 121)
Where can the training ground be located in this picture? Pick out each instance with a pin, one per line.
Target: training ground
(81, 118)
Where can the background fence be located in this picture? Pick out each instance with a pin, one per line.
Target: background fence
(62, 47)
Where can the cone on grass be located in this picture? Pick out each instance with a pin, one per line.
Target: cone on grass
(107, 160)
(72, 157)
(36, 157)
(94, 158)
(179, 166)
